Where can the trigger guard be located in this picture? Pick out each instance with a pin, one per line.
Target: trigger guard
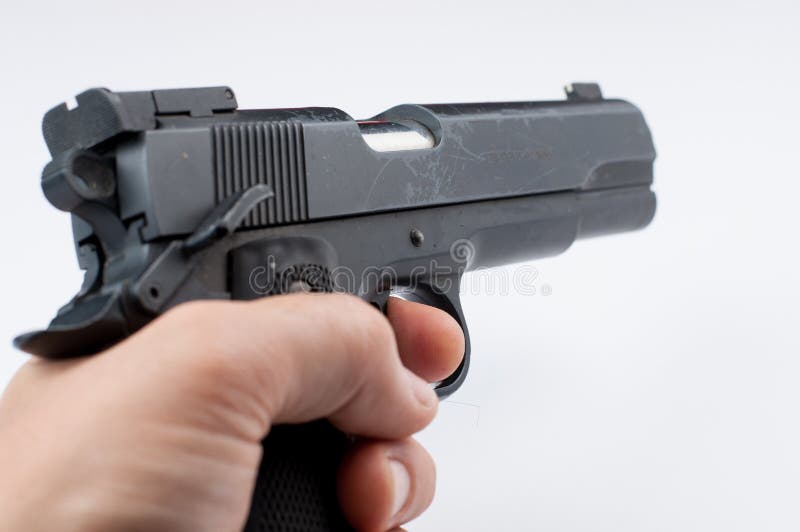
(427, 296)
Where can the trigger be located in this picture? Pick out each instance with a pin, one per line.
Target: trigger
(380, 301)
(448, 302)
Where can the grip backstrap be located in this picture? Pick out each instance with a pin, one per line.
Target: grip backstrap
(296, 485)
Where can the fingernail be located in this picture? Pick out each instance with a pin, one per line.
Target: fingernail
(402, 485)
(422, 390)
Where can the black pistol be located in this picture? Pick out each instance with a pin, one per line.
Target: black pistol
(177, 195)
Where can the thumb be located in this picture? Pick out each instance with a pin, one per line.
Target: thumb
(283, 359)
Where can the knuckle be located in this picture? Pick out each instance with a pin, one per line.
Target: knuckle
(218, 367)
(370, 330)
(366, 332)
(196, 320)
(199, 328)
(377, 328)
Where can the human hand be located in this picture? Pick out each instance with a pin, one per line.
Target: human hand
(163, 430)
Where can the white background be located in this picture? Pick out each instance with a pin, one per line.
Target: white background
(656, 389)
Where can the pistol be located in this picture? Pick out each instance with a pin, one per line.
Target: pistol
(177, 195)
